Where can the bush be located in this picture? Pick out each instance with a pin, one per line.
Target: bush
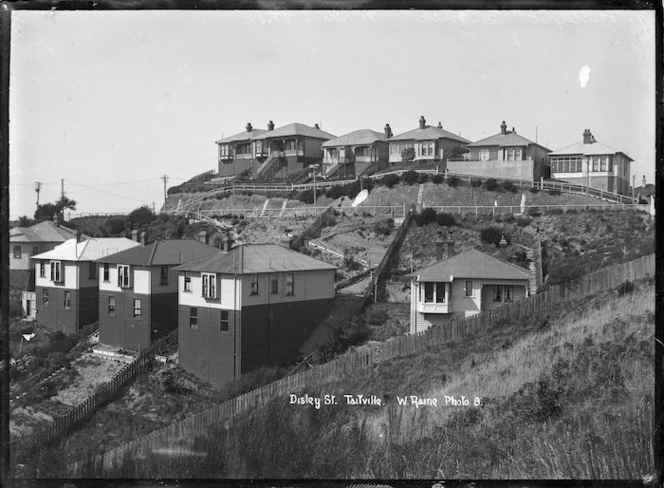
(376, 317)
(508, 186)
(475, 182)
(626, 288)
(491, 185)
(423, 178)
(523, 221)
(553, 192)
(534, 212)
(492, 235)
(555, 211)
(337, 191)
(410, 177)
(384, 227)
(533, 190)
(425, 217)
(446, 220)
(437, 179)
(351, 263)
(453, 181)
(389, 180)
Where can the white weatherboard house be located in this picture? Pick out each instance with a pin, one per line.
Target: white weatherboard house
(463, 285)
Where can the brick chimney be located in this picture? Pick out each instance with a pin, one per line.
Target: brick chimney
(503, 247)
(422, 122)
(588, 137)
(249, 127)
(388, 131)
(78, 228)
(143, 237)
(440, 246)
(226, 243)
(450, 248)
(440, 125)
(503, 128)
(56, 220)
(643, 182)
(203, 235)
(134, 235)
(316, 126)
(270, 125)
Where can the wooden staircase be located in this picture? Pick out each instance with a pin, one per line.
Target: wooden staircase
(270, 167)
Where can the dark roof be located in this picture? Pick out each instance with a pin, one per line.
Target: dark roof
(427, 134)
(295, 129)
(362, 136)
(45, 231)
(256, 258)
(502, 140)
(242, 136)
(472, 264)
(173, 251)
(592, 149)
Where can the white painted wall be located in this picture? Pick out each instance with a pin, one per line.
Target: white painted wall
(228, 291)
(141, 277)
(112, 284)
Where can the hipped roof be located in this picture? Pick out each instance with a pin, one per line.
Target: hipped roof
(471, 264)
(88, 250)
(295, 129)
(362, 136)
(592, 149)
(242, 136)
(502, 140)
(427, 134)
(157, 253)
(256, 258)
(45, 231)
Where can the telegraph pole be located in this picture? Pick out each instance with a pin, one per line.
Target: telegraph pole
(38, 187)
(62, 187)
(165, 178)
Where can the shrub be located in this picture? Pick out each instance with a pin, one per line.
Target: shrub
(626, 287)
(337, 191)
(555, 211)
(491, 185)
(446, 220)
(554, 192)
(376, 317)
(423, 178)
(508, 186)
(533, 190)
(410, 177)
(492, 235)
(425, 217)
(351, 263)
(475, 182)
(534, 212)
(389, 180)
(384, 227)
(437, 179)
(453, 181)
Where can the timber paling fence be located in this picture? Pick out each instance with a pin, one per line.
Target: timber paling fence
(110, 462)
(102, 395)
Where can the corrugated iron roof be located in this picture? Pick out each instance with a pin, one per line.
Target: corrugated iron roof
(242, 136)
(502, 140)
(592, 149)
(88, 250)
(427, 134)
(295, 129)
(45, 231)
(472, 264)
(256, 258)
(362, 136)
(172, 251)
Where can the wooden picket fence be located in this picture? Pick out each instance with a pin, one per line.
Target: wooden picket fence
(102, 395)
(198, 424)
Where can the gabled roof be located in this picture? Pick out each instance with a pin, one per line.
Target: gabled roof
(592, 149)
(295, 129)
(157, 253)
(427, 134)
(242, 136)
(471, 264)
(362, 136)
(89, 250)
(502, 140)
(45, 231)
(256, 258)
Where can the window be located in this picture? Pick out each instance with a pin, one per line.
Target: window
(223, 150)
(254, 284)
(111, 306)
(290, 284)
(92, 271)
(67, 300)
(509, 293)
(45, 298)
(290, 145)
(602, 164)
(274, 283)
(595, 160)
(224, 327)
(193, 318)
(440, 292)
(484, 155)
(243, 149)
(469, 288)
(17, 252)
(35, 250)
(209, 285)
(56, 271)
(187, 282)
(428, 292)
(164, 275)
(123, 276)
(497, 293)
(258, 147)
(137, 308)
(107, 272)
(42, 269)
(610, 162)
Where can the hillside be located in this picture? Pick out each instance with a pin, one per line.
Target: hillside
(566, 394)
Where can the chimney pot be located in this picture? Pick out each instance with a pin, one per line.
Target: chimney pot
(588, 137)
(503, 128)
(513, 130)
(422, 122)
(270, 125)
(440, 125)
(388, 131)
(316, 126)
(644, 181)
(249, 127)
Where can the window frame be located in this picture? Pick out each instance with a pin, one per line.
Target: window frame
(469, 289)
(42, 268)
(290, 284)
(137, 316)
(254, 284)
(429, 292)
(274, 280)
(497, 293)
(186, 285)
(92, 270)
(45, 297)
(17, 252)
(67, 300)
(124, 276)
(110, 311)
(163, 277)
(106, 273)
(209, 285)
(56, 272)
(193, 318)
(226, 321)
(439, 297)
(509, 293)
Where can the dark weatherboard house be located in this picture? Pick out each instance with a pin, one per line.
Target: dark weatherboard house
(138, 296)
(253, 306)
(67, 290)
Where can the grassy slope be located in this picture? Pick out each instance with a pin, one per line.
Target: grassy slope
(567, 394)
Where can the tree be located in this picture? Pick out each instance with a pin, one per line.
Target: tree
(407, 154)
(48, 210)
(25, 221)
(142, 215)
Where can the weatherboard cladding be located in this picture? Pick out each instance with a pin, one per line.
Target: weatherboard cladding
(174, 251)
(428, 134)
(471, 264)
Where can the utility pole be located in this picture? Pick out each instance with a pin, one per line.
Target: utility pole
(62, 187)
(38, 187)
(315, 167)
(165, 178)
(153, 211)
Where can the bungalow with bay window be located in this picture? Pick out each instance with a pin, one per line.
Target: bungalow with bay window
(463, 285)
(138, 291)
(253, 306)
(67, 290)
(351, 154)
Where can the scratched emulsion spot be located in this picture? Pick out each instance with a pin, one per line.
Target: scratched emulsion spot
(584, 76)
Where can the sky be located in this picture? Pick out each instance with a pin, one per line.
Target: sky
(105, 104)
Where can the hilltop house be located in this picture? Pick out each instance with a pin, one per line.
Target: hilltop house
(463, 285)
(138, 291)
(503, 155)
(352, 153)
(253, 306)
(67, 291)
(592, 164)
(272, 153)
(27, 242)
(431, 144)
